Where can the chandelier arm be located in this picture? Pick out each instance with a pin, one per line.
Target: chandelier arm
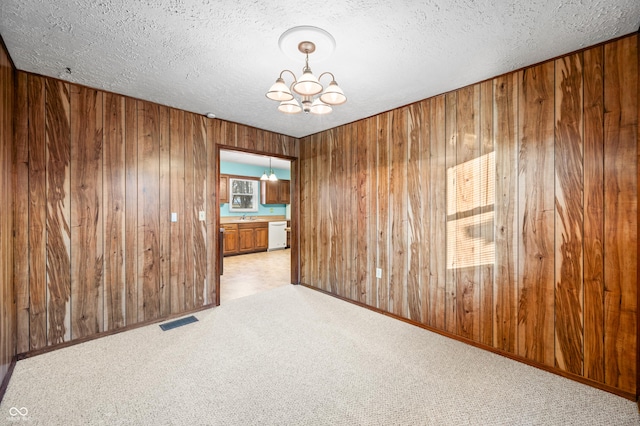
(292, 74)
(333, 78)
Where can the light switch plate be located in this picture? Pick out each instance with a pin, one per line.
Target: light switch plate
(174, 217)
(378, 272)
(201, 215)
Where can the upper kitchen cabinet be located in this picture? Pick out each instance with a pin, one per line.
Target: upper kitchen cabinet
(223, 194)
(277, 192)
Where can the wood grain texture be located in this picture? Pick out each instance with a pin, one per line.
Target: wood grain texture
(383, 188)
(37, 214)
(164, 213)
(177, 195)
(21, 210)
(505, 288)
(620, 201)
(569, 214)
(364, 261)
(87, 289)
(7, 299)
(114, 218)
(131, 212)
(438, 189)
(100, 174)
(213, 212)
(451, 201)
(466, 216)
(58, 211)
(415, 286)
(423, 128)
(593, 168)
(335, 219)
(536, 218)
(521, 219)
(398, 216)
(487, 221)
(199, 195)
(190, 214)
(148, 211)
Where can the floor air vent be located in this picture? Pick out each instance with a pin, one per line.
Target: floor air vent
(178, 323)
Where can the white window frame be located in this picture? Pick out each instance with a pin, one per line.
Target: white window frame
(254, 196)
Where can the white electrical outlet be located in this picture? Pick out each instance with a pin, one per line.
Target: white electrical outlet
(378, 272)
(174, 217)
(201, 215)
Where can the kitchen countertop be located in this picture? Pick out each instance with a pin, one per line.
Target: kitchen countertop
(259, 219)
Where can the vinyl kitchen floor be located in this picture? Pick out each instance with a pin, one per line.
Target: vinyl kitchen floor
(247, 274)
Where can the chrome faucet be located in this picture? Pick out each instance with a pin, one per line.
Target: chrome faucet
(244, 216)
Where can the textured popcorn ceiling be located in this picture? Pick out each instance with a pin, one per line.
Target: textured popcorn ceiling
(222, 56)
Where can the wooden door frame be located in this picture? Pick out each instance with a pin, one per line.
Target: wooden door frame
(295, 210)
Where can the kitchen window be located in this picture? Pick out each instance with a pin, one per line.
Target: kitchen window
(243, 195)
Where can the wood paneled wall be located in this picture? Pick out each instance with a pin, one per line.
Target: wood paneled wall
(7, 300)
(97, 176)
(504, 213)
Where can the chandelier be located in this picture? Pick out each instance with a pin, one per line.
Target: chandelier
(307, 87)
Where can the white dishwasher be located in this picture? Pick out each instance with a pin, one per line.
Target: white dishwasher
(277, 235)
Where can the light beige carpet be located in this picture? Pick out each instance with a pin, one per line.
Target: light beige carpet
(294, 356)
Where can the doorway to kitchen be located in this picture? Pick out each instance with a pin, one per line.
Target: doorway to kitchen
(255, 199)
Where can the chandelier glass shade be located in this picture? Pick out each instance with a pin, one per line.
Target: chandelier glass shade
(307, 87)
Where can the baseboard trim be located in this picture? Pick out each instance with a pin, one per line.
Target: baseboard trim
(571, 376)
(7, 377)
(44, 350)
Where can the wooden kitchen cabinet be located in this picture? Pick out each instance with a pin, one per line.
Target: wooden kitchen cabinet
(230, 238)
(223, 193)
(246, 237)
(262, 238)
(277, 192)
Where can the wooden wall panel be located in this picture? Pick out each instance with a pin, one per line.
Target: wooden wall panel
(87, 287)
(505, 289)
(487, 219)
(569, 214)
(335, 220)
(131, 212)
(466, 216)
(190, 213)
(148, 211)
(438, 192)
(199, 195)
(97, 176)
(398, 216)
(7, 299)
(363, 192)
(593, 167)
(383, 188)
(451, 201)
(506, 215)
(21, 210)
(177, 195)
(415, 217)
(164, 214)
(213, 210)
(37, 215)
(114, 217)
(620, 212)
(536, 219)
(58, 211)
(423, 130)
